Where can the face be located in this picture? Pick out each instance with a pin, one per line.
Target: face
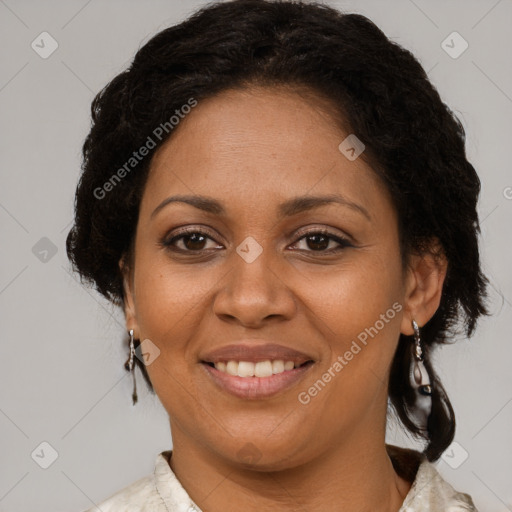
(261, 271)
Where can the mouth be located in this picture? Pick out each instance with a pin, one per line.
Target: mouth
(252, 371)
(260, 369)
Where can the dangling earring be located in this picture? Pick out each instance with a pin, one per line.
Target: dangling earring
(419, 378)
(130, 366)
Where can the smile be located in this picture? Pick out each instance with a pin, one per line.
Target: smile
(259, 369)
(252, 381)
(255, 369)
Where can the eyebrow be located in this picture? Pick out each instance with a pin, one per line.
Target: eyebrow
(288, 208)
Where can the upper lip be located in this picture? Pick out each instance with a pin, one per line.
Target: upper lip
(253, 352)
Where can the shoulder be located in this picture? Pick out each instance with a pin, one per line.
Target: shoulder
(139, 496)
(159, 492)
(429, 490)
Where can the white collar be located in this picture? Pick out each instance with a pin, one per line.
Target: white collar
(429, 491)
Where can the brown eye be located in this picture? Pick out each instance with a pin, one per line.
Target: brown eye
(191, 241)
(319, 241)
(194, 241)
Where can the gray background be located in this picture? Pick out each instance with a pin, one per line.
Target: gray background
(62, 376)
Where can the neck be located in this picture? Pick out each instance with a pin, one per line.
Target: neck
(356, 475)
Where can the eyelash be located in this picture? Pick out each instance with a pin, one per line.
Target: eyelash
(344, 243)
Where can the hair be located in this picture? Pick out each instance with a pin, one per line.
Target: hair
(374, 87)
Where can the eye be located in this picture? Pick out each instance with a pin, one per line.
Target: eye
(195, 240)
(319, 240)
(192, 240)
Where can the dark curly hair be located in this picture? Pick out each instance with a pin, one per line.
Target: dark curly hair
(375, 88)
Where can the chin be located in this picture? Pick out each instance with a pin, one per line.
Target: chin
(260, 453)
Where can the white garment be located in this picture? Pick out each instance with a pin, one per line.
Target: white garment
(162, 491)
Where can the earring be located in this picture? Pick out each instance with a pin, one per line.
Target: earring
(130, 365)
(419, 378)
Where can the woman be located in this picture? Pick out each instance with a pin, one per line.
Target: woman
(281, 203)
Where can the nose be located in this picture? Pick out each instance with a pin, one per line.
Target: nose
(255, 291)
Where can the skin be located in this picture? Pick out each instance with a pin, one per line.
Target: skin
(251, 150)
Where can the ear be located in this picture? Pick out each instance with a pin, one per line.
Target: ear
(424, 286)
(129, 295)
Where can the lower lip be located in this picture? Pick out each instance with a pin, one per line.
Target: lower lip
(256, 387)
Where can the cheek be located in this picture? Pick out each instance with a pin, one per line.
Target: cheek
(167, 302)
(167, 294)
(359, 310)
(355, 294)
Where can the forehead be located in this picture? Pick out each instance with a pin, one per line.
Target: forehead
(249, 119)
(259, 145)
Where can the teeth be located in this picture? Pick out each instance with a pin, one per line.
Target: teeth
(263, 369)
(278, 366)
(259, 369)
(232, 368)
(245, 368)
